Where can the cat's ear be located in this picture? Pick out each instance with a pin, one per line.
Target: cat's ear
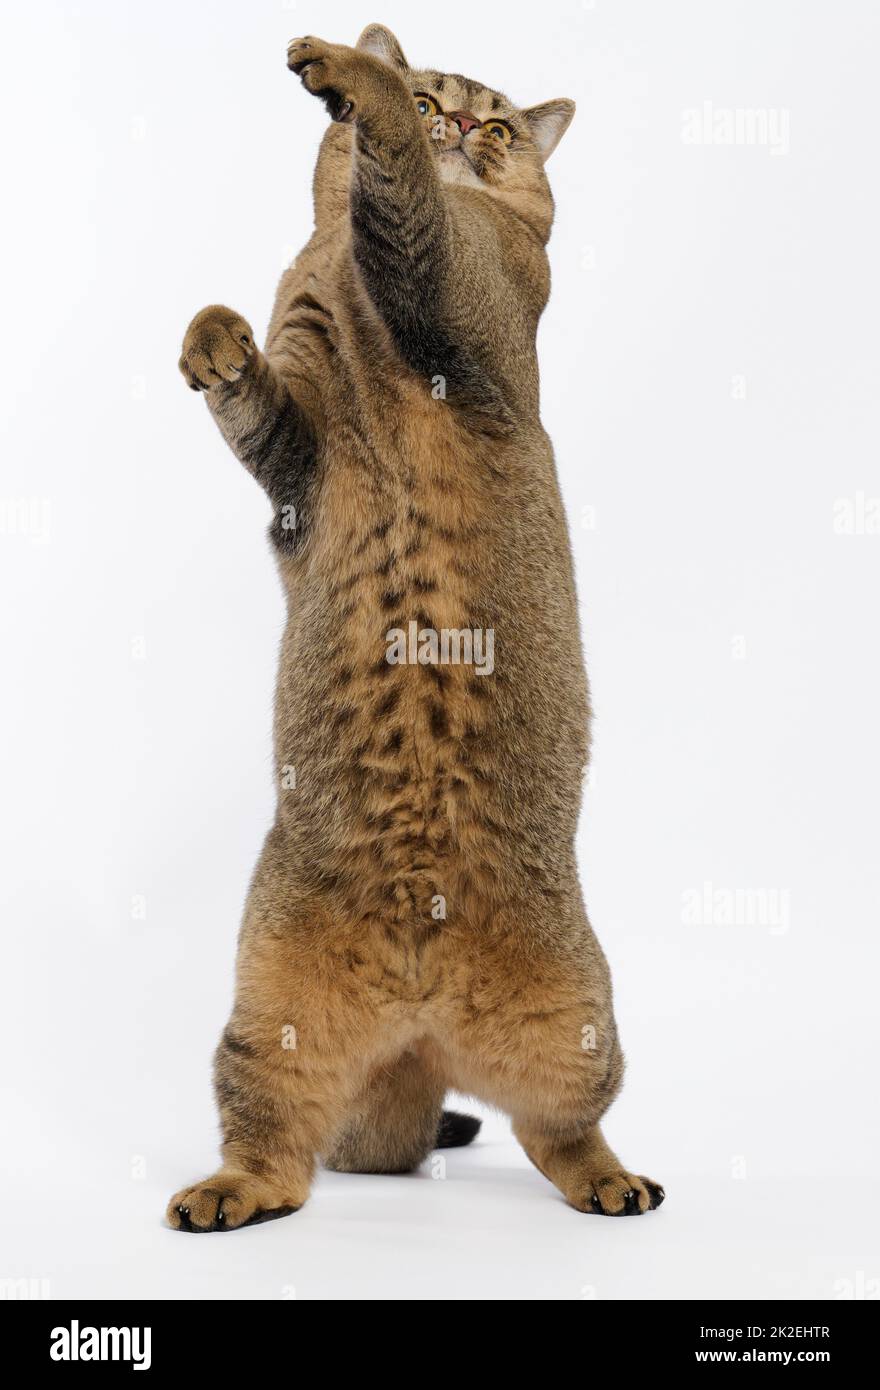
(548, 123)
(379, 41)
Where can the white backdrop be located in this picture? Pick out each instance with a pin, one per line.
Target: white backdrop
(710, 378)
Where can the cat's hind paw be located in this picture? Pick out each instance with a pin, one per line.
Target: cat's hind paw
(622, 1194)
(225, 1202)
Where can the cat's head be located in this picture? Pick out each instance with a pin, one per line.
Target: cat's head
(480, 137)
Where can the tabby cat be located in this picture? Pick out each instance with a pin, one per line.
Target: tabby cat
(415, 921)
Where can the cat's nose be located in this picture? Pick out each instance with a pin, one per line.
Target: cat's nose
(464, 120)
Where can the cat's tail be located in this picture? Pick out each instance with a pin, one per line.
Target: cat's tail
(455, 1130)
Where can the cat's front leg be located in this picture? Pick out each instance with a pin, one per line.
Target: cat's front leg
(403, 236)
(267, 428)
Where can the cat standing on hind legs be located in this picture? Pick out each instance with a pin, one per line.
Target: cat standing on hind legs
(415, 921)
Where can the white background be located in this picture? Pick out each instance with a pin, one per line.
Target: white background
(159, 157)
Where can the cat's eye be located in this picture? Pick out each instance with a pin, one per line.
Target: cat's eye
(501, 131)
(425, 105)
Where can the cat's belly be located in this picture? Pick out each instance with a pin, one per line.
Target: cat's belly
(433, 756)
(391, 736)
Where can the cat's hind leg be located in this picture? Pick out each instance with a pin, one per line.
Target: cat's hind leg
(535, 1035)
(268, 1157)
(304, 1036)
(588, 1174)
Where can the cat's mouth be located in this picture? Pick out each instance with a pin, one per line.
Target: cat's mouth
(456, 166)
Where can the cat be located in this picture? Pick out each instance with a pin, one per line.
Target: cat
(415, 921)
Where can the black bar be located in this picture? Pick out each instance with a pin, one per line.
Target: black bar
(212, 1335)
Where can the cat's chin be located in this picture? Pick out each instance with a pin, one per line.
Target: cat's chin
(455, 167)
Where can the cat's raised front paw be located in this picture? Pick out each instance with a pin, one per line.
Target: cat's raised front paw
(216, 348)
(328, 70)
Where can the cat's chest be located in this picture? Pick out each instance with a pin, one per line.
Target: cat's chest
(403, 521)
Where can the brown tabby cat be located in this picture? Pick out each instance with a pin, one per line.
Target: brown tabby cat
(415, 920)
